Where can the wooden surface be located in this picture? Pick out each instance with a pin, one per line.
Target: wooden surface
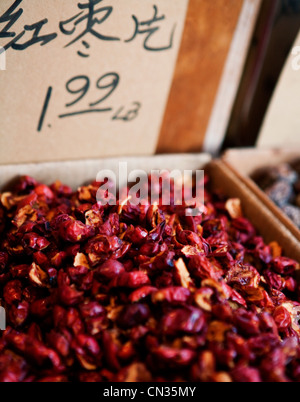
(209, 30)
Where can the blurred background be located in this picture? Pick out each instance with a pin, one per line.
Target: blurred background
(276, 30)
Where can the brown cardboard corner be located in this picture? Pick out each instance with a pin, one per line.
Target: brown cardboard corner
(85, 87)
(270, 227)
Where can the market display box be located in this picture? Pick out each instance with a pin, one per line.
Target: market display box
(270, 225)
(67, 139)
(244, 162)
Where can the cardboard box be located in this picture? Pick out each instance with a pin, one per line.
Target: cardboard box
(244, 162)
(222, 178)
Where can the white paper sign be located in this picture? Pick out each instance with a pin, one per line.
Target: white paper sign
(83, 79)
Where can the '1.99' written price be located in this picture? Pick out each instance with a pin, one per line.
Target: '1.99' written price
(80, 87)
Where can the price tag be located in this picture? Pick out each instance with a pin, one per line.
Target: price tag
(84, 79)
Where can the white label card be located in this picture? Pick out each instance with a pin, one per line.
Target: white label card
(85, 79)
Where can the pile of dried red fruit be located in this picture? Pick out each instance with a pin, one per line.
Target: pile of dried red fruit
(123, 293)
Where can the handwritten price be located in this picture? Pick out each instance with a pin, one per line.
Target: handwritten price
(80, 86)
